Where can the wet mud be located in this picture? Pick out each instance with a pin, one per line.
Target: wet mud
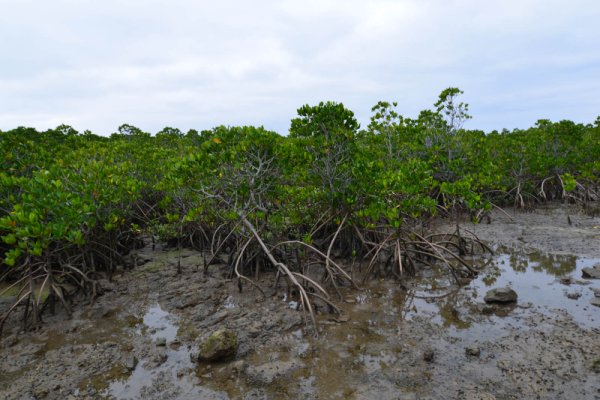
(419, 338)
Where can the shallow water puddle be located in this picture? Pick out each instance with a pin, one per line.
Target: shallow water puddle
(157, 322)
(545, 283)
(147, 381)
(384, 331)
(542, 283)
(387, 327)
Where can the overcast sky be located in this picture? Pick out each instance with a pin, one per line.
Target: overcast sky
(197, 64)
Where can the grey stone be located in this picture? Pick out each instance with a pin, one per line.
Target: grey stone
(131, 362)
(573, 295)
(566, 281)
(596, 366)
(137, 259)
(473, 351)
(428, 355)
(156, 360)
(238, 366)
(488, 310)
(595, 301)
(501, 295)
(216, 318)
(591, 273)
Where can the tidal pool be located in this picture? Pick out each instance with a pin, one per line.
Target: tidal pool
(172, 377)
(376, 348)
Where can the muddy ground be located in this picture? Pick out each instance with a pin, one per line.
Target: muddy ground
(422, 338)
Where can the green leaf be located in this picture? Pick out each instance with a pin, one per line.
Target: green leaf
(9, 239)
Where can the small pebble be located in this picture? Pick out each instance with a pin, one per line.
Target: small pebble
(428, 355)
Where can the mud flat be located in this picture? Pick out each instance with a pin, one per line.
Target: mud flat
(551, 229)
(422, 338)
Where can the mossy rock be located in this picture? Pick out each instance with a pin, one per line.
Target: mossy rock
(219, 345)
(501, 295)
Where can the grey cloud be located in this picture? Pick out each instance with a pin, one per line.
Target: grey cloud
(198, 64)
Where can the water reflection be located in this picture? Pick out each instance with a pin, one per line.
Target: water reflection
(172, 369)
(157, 322)
(552, 264)
(537, 277)
(366, 345)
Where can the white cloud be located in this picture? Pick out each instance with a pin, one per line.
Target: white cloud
(153, 63)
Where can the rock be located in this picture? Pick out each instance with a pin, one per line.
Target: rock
(216, 318)
(131, 362)
(156, 360)
(219, 345)
(566, 281)
(573, 295)
(190, 300)
(266, 373)
(595, 301)
(591, 273)
(501, 295)
(137, 259)
(488, 310)
(473, 351)
(239, 366)
(428, 355)
(107, 285)
(161, 342)
(596, 291)
(201, 314)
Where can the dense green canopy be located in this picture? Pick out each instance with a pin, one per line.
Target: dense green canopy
(72, 204)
